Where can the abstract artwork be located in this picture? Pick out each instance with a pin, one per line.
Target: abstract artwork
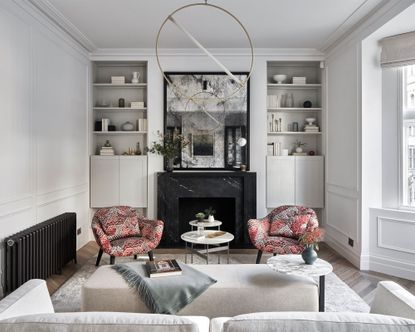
(203, 145)
(211, 120)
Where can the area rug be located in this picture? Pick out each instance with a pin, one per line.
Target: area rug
(339, 296)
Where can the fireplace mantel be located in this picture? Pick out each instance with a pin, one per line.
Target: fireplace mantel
(175, 185)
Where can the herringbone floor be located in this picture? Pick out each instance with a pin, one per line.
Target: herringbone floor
(362, 282)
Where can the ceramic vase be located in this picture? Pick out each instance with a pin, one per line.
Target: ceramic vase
(309, 255)
(299, 149)
(136, 77)
(211, 218)
(170, 165)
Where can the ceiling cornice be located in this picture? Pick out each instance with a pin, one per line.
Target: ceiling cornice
(47, 9)
(271, 53)
(381, 13)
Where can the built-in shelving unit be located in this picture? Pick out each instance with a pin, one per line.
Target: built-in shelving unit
(121, 179)
(106, 97)
(286, 123)
(295, 178)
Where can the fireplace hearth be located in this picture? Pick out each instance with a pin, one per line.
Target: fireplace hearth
(180, 195)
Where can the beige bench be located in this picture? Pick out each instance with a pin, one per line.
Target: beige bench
(241, 289)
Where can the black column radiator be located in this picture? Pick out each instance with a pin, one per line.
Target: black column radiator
(39, 251)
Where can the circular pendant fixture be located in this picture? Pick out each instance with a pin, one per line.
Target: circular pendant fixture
(239, 83)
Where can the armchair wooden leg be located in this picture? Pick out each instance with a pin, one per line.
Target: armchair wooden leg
(135, 256)
(151, 255)
(274, 254)
(258, 257)
(112, 260)
(99, 257)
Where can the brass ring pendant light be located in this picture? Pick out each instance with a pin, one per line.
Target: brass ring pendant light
(170, 18)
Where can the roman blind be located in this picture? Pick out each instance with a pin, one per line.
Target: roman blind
(398, 50)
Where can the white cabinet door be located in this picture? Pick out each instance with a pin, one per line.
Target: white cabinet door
(309, 183)
(280, 181)
(105, 181)
(133, 181)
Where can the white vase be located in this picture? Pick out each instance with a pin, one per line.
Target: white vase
(299, 149)
(136, 77)
(211, 218)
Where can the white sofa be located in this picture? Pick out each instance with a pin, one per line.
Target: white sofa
(29, 309)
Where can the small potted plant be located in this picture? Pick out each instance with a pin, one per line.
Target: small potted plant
(298, 145)
(310, 242)
(200, 216)
(169, 146)
(210, 213)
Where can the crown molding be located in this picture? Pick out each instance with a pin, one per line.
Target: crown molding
(380, 15)
(57, 18)
(270, 53)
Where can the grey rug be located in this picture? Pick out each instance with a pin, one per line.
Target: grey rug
(339, 296)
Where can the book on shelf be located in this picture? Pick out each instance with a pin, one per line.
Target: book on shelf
(163, 268)
(104, 124)
(311, 129)
(137, 104)
(118, 79)
(299, 80)
(142, 124)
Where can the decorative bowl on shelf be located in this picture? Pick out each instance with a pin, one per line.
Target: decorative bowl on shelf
(280, 78)
(127, 126)
(310, 121)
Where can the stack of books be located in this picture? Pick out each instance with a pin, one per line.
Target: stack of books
(299, 80)
(142, 124)
(137, 104)
(107, 151)
(118, 79)
(163, 268)
(311, 129)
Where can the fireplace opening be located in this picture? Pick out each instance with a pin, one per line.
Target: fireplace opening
(224, 206)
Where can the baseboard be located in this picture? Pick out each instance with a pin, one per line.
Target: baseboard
(392, 267)
(343, 251)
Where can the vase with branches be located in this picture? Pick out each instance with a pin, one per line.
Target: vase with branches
(169, 146)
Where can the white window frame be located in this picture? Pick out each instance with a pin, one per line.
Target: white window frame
(402, 162)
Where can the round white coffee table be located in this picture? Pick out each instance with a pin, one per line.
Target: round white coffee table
(200, 238)
(294, 264)
(205, 224)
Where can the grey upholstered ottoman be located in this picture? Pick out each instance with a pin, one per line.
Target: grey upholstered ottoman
(241, 289)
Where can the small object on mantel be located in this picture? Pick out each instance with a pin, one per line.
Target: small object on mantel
(311, 153)
(243, 168)
(215, 234)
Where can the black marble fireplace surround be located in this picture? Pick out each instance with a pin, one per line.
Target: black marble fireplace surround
(180, 194)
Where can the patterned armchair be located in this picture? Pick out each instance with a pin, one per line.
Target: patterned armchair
(279, 231)
(119, 231)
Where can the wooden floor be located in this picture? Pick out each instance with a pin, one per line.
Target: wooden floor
(362, 282)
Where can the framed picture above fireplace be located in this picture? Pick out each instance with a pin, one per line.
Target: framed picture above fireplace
(213, 125)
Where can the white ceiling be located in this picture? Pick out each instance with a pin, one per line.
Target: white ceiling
(271, 23)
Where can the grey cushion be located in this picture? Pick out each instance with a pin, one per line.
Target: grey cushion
(99, 321)
(327, 322)
(241, 289)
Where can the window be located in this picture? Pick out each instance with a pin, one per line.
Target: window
(408, 136)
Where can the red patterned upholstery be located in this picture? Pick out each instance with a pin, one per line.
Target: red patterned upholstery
(119, 231)
(279, 231)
